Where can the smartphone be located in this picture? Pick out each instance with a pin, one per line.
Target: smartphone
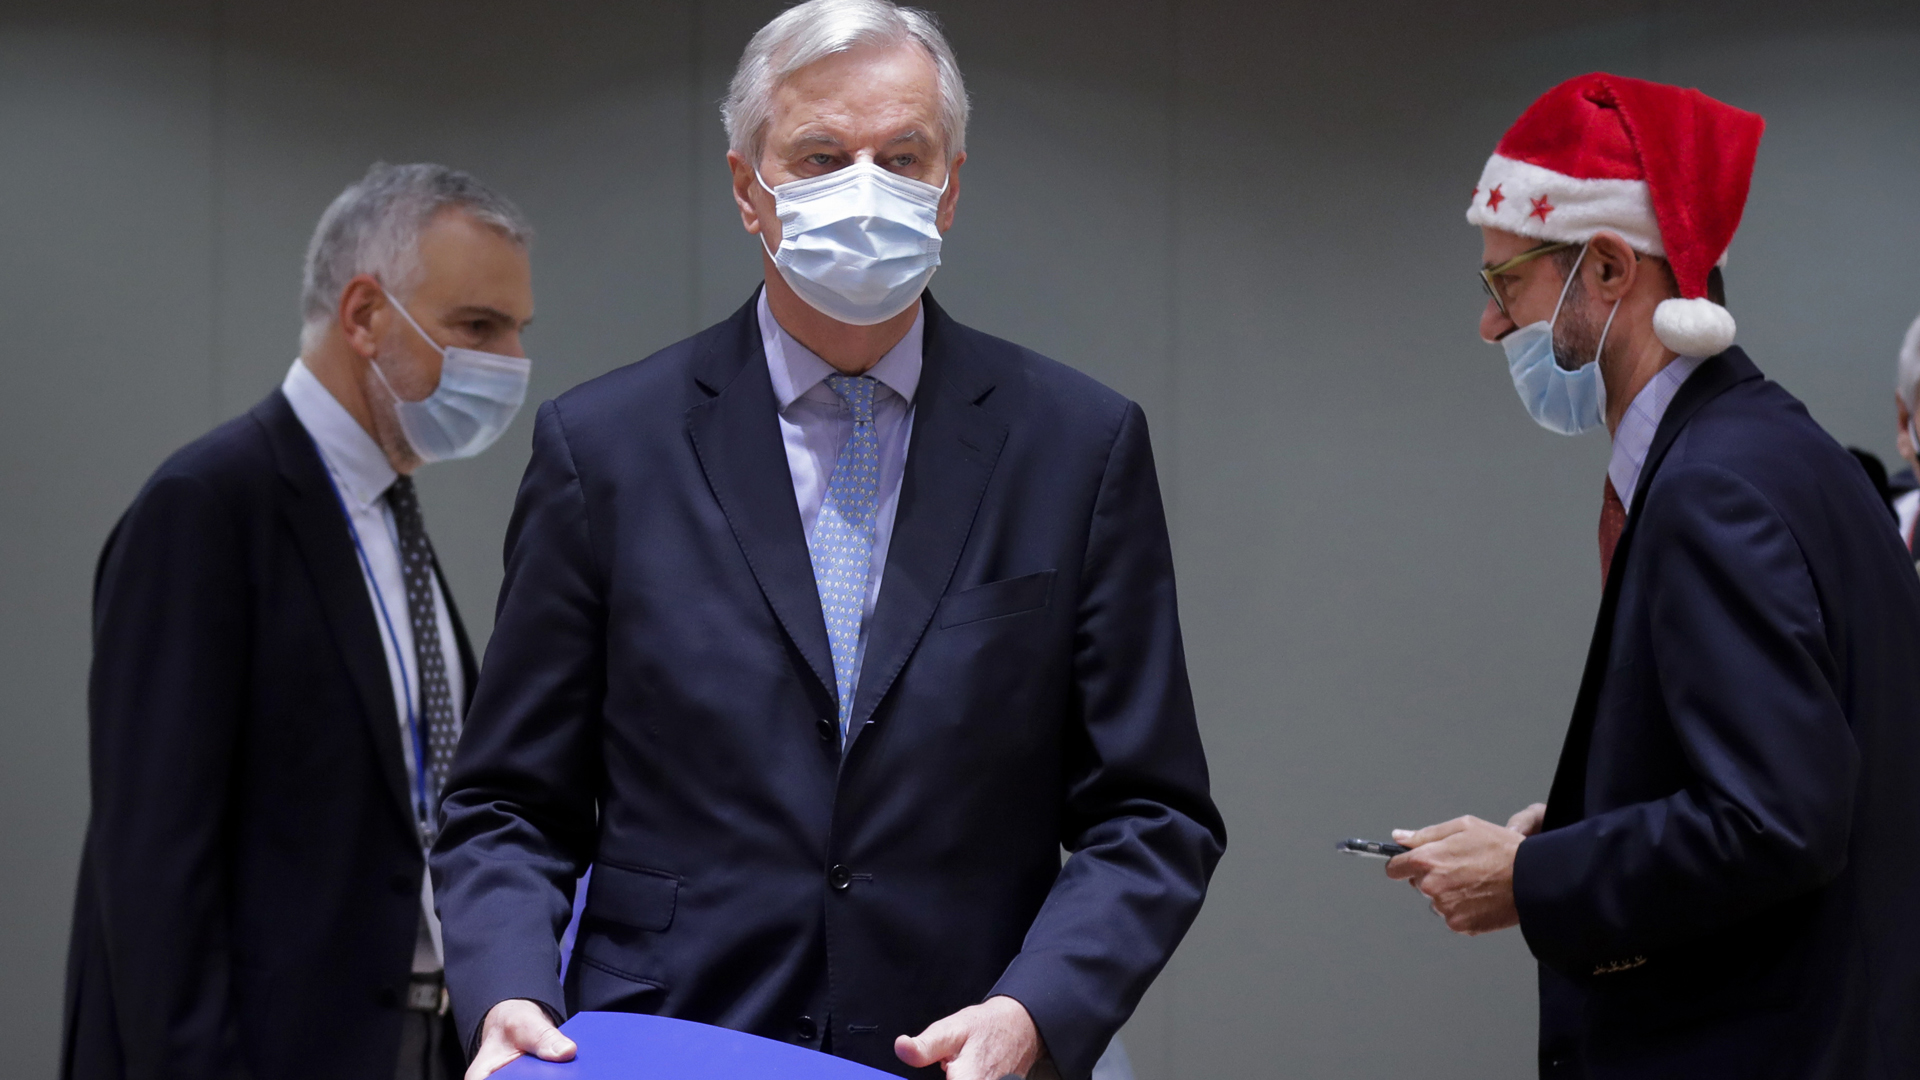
(1371, 849)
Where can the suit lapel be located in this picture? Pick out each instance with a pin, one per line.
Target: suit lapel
(319, 528)
(469, 667)
(1566, 799)
(736, 435)
(951, 455)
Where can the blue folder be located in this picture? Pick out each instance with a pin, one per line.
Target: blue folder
(629, 1046)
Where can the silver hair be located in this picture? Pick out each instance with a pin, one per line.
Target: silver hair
(1909, 378)
(374, 228)
(807, 33)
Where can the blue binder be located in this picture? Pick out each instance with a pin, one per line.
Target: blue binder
(629, 1046)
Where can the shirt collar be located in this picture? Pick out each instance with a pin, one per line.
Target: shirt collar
(360, 468)
(795, 369)
(1634, 438)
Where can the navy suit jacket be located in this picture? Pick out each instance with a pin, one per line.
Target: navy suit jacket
(1726, 885)
(250, 888)
(658, 699)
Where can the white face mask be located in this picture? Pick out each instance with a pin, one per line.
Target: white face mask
(858, 244)
(478, 395)
(1562, 401)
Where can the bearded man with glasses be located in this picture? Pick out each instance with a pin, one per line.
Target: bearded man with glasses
(1718, 884)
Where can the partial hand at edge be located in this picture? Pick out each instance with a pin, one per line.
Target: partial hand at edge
(513, 1028)
(981, 1042)
(1528, 822)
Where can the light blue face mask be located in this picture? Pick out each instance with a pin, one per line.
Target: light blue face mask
(858, 244)
(478, 395)
(1567, 402)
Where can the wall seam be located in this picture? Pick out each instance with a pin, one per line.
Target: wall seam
(1170, 974)
(697, 286)
(216, 237)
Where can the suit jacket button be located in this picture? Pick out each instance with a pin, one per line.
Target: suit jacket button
(805, 1030)
(403, 883)
(839, 877)
(827, 728)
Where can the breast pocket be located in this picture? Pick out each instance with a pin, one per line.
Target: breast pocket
(997, 598)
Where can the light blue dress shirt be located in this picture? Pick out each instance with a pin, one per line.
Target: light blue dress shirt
(815, 424)
(1634, 437)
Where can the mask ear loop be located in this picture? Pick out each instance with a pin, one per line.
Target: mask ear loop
(1568, 284)
(432, 344)
(407, 315)
(764, 246)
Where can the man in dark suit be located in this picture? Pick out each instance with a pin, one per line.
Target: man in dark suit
(822, 633)
(1719, 883)
(279, 675)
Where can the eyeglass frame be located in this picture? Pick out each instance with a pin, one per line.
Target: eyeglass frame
(1488, 273)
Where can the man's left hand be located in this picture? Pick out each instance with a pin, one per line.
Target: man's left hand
(981, 1042)
(1465, 866)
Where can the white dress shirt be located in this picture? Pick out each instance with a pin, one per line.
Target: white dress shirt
(361, 475)
(1634, 437)
(1907, 509)
(815, 425)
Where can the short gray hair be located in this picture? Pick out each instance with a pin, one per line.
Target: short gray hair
(1909, 378)
(374, 228)
(810, 32)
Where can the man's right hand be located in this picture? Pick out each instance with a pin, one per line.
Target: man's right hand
(515, 1027)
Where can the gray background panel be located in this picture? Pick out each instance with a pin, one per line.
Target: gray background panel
(1247, 216)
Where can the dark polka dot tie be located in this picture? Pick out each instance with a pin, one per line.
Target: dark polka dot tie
(438, 727)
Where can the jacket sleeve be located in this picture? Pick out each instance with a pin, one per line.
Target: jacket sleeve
(1140, 825)
(1740, 655)
(519, 806)
(165, 703)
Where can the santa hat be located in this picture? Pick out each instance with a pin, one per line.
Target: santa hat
(1667, 168)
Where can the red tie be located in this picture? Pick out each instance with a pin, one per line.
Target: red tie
(1613, 518)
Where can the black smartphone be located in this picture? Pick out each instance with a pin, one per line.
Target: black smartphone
(1372, 849)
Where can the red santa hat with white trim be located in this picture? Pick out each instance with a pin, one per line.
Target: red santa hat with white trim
(1666, 168)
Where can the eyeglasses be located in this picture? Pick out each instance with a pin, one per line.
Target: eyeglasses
(1488, 273)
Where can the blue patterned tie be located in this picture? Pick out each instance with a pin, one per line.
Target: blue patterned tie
(842, 544)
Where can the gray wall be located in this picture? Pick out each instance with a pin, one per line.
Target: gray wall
(1248, 216)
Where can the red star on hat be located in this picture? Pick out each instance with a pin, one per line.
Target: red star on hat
(1541, 208)
(1495, 198)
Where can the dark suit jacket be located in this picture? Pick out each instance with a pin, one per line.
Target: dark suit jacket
(1726, 885)
(658, 699)
(250, 888)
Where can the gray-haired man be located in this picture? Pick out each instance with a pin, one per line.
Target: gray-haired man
(823, 632)
(279, 675)
(1906, 404)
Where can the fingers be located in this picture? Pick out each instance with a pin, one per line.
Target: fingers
(1528, 821)
(554, 1046)
(942, 1041)
(513, 1028)
(1432, 832)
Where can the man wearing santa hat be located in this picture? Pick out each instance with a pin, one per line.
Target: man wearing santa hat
(1723, 880)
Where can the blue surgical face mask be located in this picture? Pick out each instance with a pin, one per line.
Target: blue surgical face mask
(478, 395)
(857, 244)
(1567, 402)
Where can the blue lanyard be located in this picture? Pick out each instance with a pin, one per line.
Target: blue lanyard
(420, 796)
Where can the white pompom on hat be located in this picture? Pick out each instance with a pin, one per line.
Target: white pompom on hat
(1667, 168)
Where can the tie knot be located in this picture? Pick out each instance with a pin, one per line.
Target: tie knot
(857, 392)
(404, 500)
